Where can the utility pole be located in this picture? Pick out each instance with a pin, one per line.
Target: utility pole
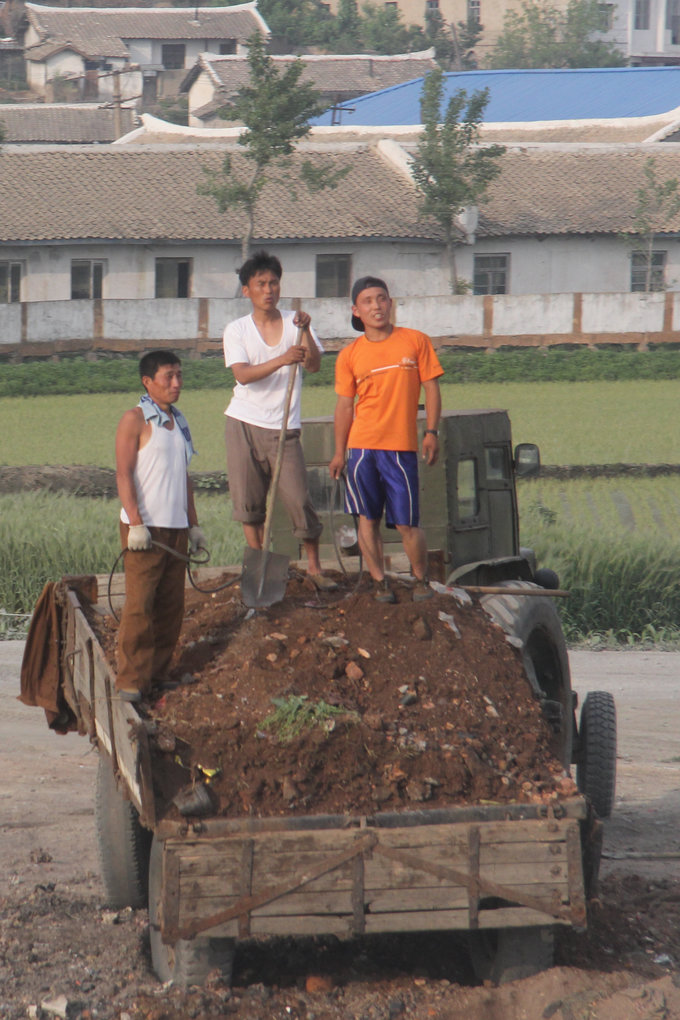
(117, 103)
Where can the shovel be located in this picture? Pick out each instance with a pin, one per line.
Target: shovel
(264, 574)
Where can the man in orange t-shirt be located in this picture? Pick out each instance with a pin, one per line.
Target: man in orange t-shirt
(383, 372)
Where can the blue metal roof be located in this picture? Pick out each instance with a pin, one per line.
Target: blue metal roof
(530, 95)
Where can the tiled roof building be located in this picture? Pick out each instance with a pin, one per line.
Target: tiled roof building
(55, 123)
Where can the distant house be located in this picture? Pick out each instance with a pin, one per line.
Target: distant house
(214, 81)
(646, 31)
(125, 221)
(82, 223)
(150, 47)
(64, 124)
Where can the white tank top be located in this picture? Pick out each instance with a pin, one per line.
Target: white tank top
(161, 479)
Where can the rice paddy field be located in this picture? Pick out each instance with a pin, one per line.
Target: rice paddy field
(573, 423)
(613, 540)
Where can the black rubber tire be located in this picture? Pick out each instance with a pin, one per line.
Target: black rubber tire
(189, 961)
(510, 954)
(124, 844)
(547, 578)
(535, 622)
(596, 766)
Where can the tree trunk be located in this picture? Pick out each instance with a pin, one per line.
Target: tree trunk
(451, 260)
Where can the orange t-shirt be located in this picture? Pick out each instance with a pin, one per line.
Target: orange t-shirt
(385, 376)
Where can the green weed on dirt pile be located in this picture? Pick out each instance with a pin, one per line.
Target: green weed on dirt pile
(296, 713)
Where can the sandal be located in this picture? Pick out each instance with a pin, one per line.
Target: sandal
(322, 583)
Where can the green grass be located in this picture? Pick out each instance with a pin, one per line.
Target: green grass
(74, 375)
(44, 536)
(615, 546)
(573, 423)
(613, 541)
(616, 507)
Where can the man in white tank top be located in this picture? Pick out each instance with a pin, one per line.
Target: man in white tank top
(153, 451)
(260, 348)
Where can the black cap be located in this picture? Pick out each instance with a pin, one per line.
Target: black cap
(363, 283)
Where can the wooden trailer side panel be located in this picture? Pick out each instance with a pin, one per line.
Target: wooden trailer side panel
(345, 882)
(90, 689)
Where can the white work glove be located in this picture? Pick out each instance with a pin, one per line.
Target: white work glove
(197, 539)
(139, 538)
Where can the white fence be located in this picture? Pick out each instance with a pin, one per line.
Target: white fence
(46, 328)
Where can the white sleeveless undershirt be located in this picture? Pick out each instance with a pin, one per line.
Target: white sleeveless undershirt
(160, 480)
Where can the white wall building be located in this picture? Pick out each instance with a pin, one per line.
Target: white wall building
(646, 31)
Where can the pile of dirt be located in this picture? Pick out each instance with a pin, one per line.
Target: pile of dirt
(334, 704)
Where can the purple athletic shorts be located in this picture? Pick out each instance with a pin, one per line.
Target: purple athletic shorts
(383, 479)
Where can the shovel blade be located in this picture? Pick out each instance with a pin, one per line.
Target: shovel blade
(264, 576)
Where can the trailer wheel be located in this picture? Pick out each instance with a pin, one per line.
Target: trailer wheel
(536, 623)
(189, 961)
(596, 765)
(509, 954)
(123, 842)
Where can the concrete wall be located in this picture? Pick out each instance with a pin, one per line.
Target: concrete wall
(195, 325)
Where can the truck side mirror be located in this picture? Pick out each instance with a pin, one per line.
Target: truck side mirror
(527, 460)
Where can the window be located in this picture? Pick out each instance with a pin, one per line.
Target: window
(474, 12)
(431, 5)
(333, 273)
(491, 274)
(497, 466)
(642, 14)
(673, 20)
(87, 277)
(172, 56)
(466, 489)
(228, 47)
(173, 278)
(641, 268)
(10, 282)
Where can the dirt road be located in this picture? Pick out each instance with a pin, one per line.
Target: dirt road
(56, 939)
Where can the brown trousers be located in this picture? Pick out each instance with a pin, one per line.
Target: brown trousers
(153, 612)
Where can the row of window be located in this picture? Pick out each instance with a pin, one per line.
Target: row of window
(333, 276)
(642, 17)
(491, 272)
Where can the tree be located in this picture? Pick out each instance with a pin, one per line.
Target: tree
(450, 169)
(275, 108)
(383, 31)
(543, 36)
(298, 23)
(437, 34)
(347, 28)
(658, 203)
(466, 35)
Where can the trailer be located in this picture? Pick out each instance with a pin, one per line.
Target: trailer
(505, 876)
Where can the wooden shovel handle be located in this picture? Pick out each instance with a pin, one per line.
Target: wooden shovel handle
(279, 453)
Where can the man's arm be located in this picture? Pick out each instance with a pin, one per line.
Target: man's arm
(245, 373)
(433, 410)
(344, 416)
(128, 437)
(192, 516)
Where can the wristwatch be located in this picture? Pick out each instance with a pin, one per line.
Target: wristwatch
(431, 432)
